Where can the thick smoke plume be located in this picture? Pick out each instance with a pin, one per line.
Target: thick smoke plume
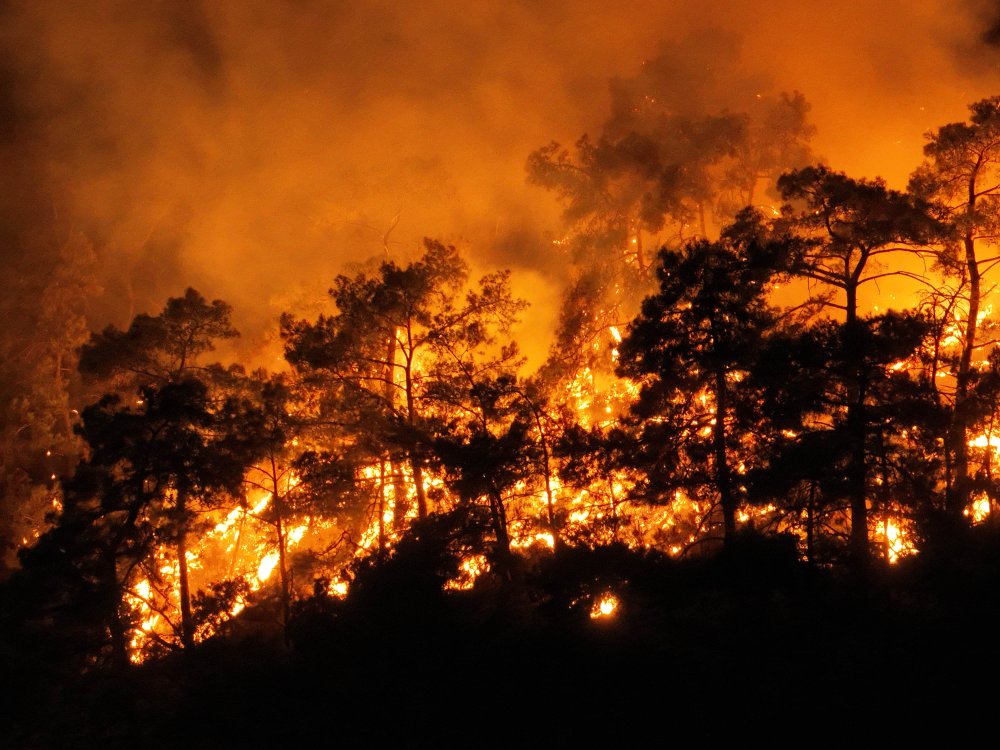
(253, 149)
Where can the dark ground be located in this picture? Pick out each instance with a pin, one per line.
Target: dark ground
(751, 644)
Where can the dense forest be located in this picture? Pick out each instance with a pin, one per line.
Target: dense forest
(756, 467)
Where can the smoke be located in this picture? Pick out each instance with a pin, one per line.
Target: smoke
(254, 148)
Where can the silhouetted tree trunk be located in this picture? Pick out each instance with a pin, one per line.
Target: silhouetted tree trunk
(722, 474)
(961, 173)
(959, 496)
(857, 425)
(547, 470)
(381, 509)
(283, 576)
(400, 505)
(811, 524)
(117, 629)
(640, 256)
(187, 619)
(415, 461)
(498, 514)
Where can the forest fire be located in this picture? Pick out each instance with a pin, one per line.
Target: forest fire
(684, 378)
(588, 495)
(234, 550)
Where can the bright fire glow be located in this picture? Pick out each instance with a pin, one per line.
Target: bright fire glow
(241, 543)
(980, 509)
(605, 606)
(895, 538)
(267, 566)
(468, 571)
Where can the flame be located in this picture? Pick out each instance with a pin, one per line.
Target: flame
(605, 606)
(543, 538)
(893, 533)
(752, 513)
(267, 566)
(338, 588)
(986, 440)
(240, 544)
(980, 509)
(468, 571)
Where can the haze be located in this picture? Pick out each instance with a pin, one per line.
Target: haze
(255, 149)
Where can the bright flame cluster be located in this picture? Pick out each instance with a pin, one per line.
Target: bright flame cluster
(605, 606)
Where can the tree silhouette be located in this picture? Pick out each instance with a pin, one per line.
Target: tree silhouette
(487, 453)
(807, 379)
(690, 348)
(961, 173)
(399, 342)
(146, 468)
(160, 348)
(267, 426)
(843, 229)
(679, 156)
(308, 469)
(169, 446)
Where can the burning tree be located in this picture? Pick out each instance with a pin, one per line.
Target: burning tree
(299, 470)
(134, 494)
(405, 352)
(691, 348)
(842, 230)
(153, 457)
(961, 174)
(679, 156)
(486, 453)
(676, 158)
(808, 378)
